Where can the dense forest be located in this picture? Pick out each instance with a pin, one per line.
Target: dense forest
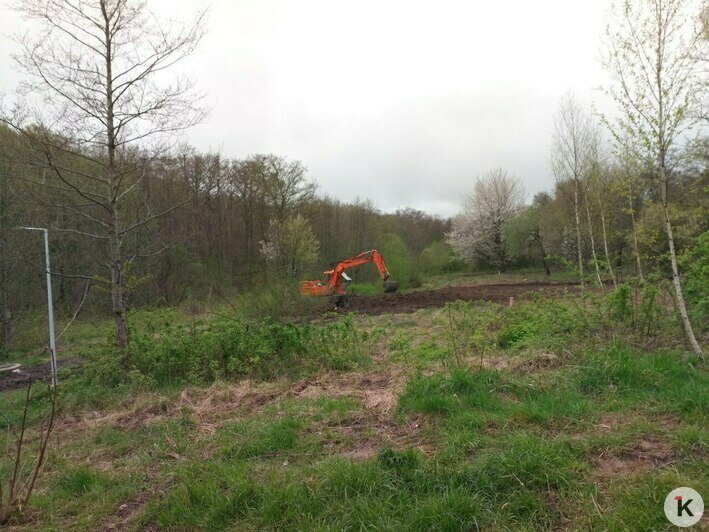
(214, 217)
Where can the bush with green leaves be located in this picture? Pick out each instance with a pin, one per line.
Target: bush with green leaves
(545, 323)
(695, 266)
(620, 304)
(400, 263)
(277, 299)
(166, 353)
(437, 258)
(469, 329)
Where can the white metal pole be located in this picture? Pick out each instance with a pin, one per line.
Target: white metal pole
(50, 309)
(50, 304)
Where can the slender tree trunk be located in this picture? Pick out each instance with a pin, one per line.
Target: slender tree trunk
(593, 242)
(118, 293)
(679, 296)
(115, 237)
(538, 240)
(5, 265)
(605, 239)
(664, 183)
(577, 220)
(6, 320)
(636, 248)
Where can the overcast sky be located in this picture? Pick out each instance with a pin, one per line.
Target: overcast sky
(403, 102)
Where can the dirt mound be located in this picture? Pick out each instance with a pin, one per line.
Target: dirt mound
(413, 301)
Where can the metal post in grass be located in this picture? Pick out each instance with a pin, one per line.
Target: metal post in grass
(50, 304)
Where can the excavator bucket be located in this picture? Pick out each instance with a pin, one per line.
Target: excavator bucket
(390, 286)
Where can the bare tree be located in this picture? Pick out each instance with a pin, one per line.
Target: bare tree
(599, 184)
(99, 68)
(590, 182)
(17, 488)
(653, 53)
(478, 232)
(626, 186)
(571, 156)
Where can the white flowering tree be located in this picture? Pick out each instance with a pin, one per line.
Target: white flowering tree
(291, 246)
(478, 233)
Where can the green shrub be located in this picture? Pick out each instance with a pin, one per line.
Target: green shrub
(695, 265)
(400, 263)
(620, 305)
(436, 258)
(277, 299)
(468, 327)
(544, 323)
(664, 378)
(165, 353)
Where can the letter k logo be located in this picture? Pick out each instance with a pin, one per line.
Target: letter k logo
(683, 507)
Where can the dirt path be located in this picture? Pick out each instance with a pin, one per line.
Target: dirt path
(413, 301)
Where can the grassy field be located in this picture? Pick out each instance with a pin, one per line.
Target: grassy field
(564, 413)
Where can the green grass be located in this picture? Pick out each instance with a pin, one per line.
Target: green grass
(501, 463)
(263, 441)
(464, 448)
(87, 494)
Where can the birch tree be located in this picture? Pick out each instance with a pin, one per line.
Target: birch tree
(570, 157)
(98, 68)
(593, 187)
(653, 54)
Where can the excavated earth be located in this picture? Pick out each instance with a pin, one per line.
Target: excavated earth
(400, 302)
(413, 301)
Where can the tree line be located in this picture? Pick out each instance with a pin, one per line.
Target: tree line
(222, 226)
(644, 194)
(136, 220)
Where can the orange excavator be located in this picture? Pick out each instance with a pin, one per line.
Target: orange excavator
(333, 285)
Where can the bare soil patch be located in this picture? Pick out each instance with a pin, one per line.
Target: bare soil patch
(649, 452)
(363, 436)
(20, 377)
(408, 302)
(378, 391)
(126, 512)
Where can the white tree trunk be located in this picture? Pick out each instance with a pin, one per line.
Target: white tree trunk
(605, 239)
(578, 229)
(635, 236)
(593, 242)
(679, 296)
